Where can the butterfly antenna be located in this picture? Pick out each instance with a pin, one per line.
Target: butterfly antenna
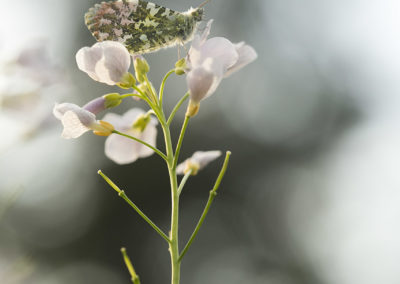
(203, 4)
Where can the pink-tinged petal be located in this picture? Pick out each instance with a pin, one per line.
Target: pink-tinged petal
(95, 106)
(73, 126)
(200, 81)
(247, 54)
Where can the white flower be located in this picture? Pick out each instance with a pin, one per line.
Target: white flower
(209, 61)
(77, 121)
(123, 150)
(106, 61)
(198, 161)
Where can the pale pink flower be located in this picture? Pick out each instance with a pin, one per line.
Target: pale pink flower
(211, 60)
(123, 150)
(106, 62)
(78, 120)
(198, 161)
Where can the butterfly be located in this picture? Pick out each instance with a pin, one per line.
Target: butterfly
(142, 26)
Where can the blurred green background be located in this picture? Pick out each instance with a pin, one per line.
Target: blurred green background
(310, 197)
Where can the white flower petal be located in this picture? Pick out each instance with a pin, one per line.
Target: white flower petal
(203, 158)
(105, 61)
(247, 54)
(123, 150)
(198, 41)
(209, 61)
(131, 115)
(73, 126)
(222, 51)
(75, 119)
(200, 83)
(200, 158)
(181, 168)
(117, 59)
(86, 58)
(149, 136)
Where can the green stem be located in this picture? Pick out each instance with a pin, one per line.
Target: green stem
(183, 181)
(160, 97)
(213, 193)
(134, 277)
(162, 155)
(174, 244)
(176, 108)
(149, 86)
(179, 144)
(122, 194)
(131, 95)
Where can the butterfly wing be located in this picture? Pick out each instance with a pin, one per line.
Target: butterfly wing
(141, 26)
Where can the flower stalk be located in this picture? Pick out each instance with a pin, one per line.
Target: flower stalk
(133, 135)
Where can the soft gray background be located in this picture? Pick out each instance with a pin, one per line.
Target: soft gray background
(312, 191)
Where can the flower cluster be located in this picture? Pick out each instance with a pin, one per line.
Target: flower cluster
(133, 135)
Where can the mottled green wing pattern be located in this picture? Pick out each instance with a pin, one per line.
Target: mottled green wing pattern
(141, 26)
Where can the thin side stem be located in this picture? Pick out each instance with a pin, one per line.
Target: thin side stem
(179, 144)
(213, 193)
(161, 95)
(183, 181)
(131, 95)
(176, 108)
(162, 155)
(134, 277)
(122, 194)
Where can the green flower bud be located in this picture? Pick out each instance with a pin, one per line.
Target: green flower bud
(180, 66)
(141, 122)
(127, 81)
(112, 100)
(141, 68)
(144, 88)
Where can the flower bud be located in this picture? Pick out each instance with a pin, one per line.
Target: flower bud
(112, 100)
(146, 90)
(141, 68)
(141, 122)
(127, 81)
(180, 66)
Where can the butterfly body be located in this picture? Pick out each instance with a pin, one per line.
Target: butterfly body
(141, 26)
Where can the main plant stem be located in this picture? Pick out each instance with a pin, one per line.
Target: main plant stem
(174, 243)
